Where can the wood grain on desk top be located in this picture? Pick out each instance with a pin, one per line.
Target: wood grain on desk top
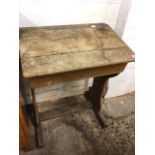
(57, 49)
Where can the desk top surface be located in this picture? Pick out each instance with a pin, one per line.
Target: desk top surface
(58, 49)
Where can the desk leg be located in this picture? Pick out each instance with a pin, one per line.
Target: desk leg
(98, 90)
(95, 93)
(38, 128)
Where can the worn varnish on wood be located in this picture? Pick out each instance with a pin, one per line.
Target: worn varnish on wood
(57, 54)
(59, 49)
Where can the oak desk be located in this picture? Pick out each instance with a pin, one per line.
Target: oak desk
(56, 54)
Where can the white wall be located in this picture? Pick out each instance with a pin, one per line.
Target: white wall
(55, 12)
(61, 12)
(125, 82)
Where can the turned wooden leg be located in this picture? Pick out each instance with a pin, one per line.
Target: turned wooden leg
(38, 128)
(98, 90)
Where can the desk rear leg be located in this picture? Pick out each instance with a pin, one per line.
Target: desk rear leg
(95, 93)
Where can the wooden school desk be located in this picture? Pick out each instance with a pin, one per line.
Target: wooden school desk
(55, 54)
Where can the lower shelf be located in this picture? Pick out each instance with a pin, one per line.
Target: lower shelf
(49, 110)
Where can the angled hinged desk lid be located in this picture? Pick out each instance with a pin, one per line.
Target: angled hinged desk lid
(58, 49)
